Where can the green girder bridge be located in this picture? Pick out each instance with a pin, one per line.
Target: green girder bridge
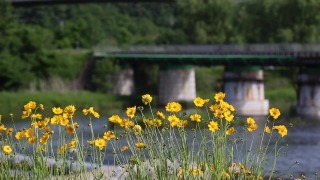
(242, 54)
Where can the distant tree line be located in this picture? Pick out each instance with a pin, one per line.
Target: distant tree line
(32, 38)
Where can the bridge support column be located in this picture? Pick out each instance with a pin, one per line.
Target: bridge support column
(308, 104)
(123, 82)
(244, 89)
(177, 83)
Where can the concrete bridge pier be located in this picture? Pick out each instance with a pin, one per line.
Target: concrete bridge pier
(244, 89)
(176, 83)
(308, 95)
(123, 82)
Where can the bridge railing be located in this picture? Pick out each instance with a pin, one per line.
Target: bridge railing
(298, 50)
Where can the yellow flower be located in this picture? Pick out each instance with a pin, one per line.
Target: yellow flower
(140, 145)
(64, 121)
(282, 130)
(219, 96)
(173, 107)
(19, 135)
(30, 105)
(146, 99)
(274, 112)
(62, 149)
(126, 123)
(32, 139)
(137, 129)
(90, 111)
(57, 110)
(45, 137)
(2, 127)
(213, 126)
(252, 126)
(68, 111)
(56, 119)
(36, 116)
(131, 111)
(6, 149)
(160, 115)
(228, 116)
(25, 114)
(115, 119)
(225, 175)
(108, 135)
(70, 129)
(195, 117)
(174, 120)
(100, 143)
(182, 123)
(214, 107)
(41, 106)
(199, 102)
(196, 172)
(124, 148)
(28, 132)
(72, 144)
(9, 131)
(267, 130)
(230, 131)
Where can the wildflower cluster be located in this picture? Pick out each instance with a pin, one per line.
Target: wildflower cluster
(210, 160)
(170, 144)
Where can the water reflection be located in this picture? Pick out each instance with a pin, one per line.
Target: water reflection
(301, 156)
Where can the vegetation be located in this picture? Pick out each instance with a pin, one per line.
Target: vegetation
(33, 38)
(57, 146)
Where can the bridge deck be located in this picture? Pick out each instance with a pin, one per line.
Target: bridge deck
(252, 54)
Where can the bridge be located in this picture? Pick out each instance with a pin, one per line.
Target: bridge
(24, 3)
(247, 54)
(243, 76)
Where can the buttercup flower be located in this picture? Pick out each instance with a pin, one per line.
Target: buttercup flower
(160, 115)
(57, 110)
(126, 123)
(230, 131)
(219, 96)
(68, 111)
(32, 139)
(6, 150)
(267, 130)
(124, 148)
(213, 126)
(131, 111)
(282, 130)
(274, 112)
(108, 135)
(140, 145)
(45, 137)
(115, 119)
(137, 129)
(100, 143)
(70, 129)
(174, 120)
(196, 172)
(72, 144)
(199, 102)
(62, 149)
(195, 117)
(146, 99)
(19, 135)
(252, 126)
(173, 107)
(2, 127)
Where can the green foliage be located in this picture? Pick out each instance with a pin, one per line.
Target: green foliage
(103, 73)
